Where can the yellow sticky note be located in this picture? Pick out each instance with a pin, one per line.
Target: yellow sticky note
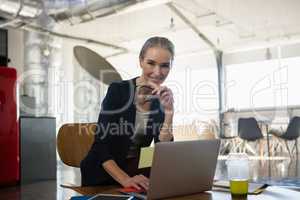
(146, 157)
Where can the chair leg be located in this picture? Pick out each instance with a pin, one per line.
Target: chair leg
(277, 146)
(236, 145)
(261, 148)
(243, 147)
(294, 147)
(225, 146)
(296, 143)
(273, 147)
(282, 144)
(268, 144)
(233, 145)
(288, 148)
(222, 147)
(240, 146)
(249, 148)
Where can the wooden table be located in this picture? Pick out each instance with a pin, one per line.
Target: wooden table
(259, 168)
(51, 190)
(271, 193)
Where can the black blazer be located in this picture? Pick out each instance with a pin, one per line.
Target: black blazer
(116, 124)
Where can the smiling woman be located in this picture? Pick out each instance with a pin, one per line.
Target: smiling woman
(133, 113)
(156, 59)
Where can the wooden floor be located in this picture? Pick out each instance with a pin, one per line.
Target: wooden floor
(281, 169)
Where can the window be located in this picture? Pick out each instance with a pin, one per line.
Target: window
(194, 82)
(271, 83)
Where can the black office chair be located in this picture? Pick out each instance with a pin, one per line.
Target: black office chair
(249, 131)
(292, 133)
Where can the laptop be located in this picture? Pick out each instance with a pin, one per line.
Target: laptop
(182, 168)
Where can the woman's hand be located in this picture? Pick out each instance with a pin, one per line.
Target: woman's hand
(166, 98)
(138, 182)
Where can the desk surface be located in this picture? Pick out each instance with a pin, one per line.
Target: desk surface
(51, 190)
(48, 191)
(271, 193)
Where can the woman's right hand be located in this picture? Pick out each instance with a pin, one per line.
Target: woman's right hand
(139, 182)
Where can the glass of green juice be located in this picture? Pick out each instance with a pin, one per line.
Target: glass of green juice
(238, 174)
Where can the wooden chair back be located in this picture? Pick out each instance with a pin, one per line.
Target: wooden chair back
(74, 142)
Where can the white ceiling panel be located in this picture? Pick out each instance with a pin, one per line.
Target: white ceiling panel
(229, 24)
(128, 26)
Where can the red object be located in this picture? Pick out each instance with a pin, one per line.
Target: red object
(9, 132)
(131, 189)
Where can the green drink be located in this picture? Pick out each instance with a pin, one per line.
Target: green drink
(238, 174)
(239, 187)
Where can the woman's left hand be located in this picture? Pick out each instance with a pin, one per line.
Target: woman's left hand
(166, 97)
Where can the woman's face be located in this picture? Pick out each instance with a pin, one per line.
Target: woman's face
(156, 65)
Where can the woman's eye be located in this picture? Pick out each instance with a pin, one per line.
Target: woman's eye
(165, 65)
(150, 63)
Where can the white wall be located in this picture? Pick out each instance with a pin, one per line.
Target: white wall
(16, 49)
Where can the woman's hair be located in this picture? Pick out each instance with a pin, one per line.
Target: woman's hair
(161, 42)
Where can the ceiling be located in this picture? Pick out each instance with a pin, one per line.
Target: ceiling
(230, 24)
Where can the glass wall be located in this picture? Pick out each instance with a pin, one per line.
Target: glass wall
(193, 80)
(271, 83)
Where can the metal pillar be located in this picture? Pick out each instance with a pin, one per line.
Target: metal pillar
(221, 90)
(42, 58)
